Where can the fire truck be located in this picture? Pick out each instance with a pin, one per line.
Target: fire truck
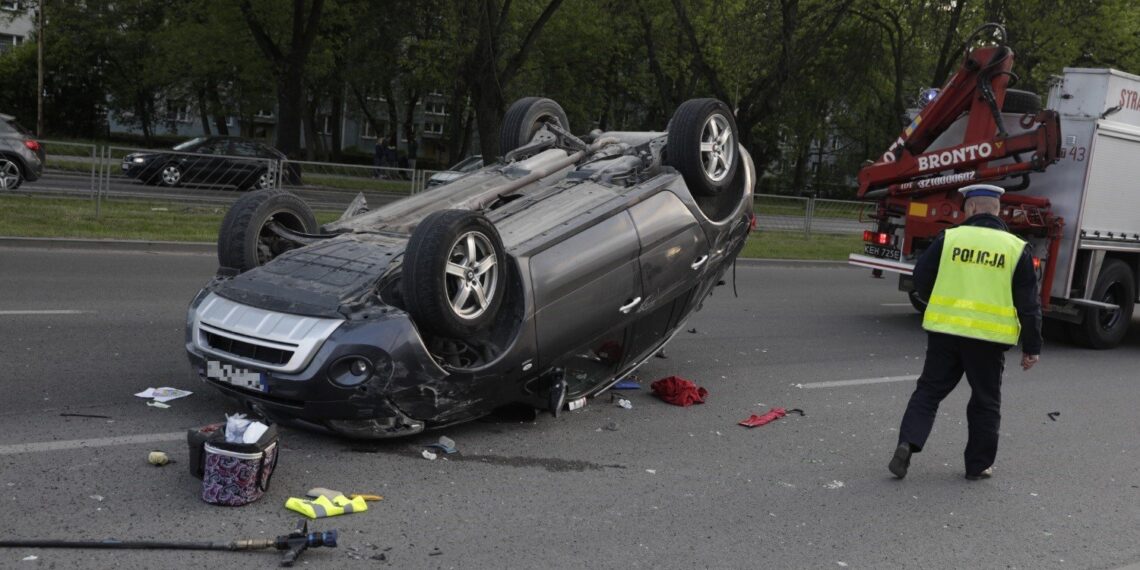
(1071, 172)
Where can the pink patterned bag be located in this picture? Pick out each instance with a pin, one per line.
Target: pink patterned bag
(238, 473)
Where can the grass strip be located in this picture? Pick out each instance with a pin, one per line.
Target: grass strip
(36, 216)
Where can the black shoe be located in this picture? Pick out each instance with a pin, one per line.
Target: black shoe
(901, 461)
(983, 474)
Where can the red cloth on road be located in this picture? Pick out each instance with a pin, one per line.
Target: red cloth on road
(678, 391)
(769, 416)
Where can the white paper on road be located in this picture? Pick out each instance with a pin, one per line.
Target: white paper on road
(164, 394)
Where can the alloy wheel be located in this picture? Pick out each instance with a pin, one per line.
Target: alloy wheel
(171, 175)
(718, 150)
(471, 275)
(9, 174)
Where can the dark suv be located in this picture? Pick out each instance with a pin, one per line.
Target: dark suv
(21, 156)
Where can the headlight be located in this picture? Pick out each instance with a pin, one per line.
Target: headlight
(138, 160)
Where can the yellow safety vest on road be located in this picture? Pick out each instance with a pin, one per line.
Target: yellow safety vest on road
(322, 506)
(973, 293)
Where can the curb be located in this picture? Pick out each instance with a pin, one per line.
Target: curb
(191, 247)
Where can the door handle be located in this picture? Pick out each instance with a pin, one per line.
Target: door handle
(700, 261)
(626, 308)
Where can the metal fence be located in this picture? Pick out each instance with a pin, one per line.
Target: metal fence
(168, 176)
(808, 215)
(165, 177)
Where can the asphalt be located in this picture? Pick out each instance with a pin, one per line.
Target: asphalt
(669, 488)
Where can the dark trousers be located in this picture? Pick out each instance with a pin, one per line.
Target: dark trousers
(947, 357)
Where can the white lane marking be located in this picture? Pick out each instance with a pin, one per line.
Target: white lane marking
(46, 312)
(859, 382)
(90, 443)
(896, 304)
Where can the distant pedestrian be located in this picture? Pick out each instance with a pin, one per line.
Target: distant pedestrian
(413, 151)
(982, 299)
(378, 157)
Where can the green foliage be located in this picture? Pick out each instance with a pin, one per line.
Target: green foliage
(812, 81)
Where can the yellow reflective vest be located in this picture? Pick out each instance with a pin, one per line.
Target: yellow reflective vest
(973, 292)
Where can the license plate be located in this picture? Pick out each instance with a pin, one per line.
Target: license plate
(883, 252)
(233, 375)
(126, 166)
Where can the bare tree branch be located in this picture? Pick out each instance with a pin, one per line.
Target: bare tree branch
(535, 29)
(698, 54)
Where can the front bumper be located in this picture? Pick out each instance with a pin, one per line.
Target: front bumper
(400, 397)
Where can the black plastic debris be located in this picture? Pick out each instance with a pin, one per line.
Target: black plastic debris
(1053, 415)
(796, 411)
(693, 330)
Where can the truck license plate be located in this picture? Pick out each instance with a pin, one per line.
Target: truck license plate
(235, 376)
(883, 252)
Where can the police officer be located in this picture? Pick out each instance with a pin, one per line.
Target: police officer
(982, 299)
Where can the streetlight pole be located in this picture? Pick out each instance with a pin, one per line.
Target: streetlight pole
(40, 69)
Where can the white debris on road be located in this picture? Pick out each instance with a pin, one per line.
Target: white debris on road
(837, 484)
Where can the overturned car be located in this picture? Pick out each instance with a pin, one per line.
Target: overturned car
(539, 280)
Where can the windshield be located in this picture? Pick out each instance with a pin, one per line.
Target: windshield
(468, 164)
(190, 144)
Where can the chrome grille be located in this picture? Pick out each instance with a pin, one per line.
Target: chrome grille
(257, 337)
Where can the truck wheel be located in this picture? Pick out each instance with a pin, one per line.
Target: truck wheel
(245, 242)
(702, 145)
(525, 117)
(1102, 328)
(1020, 102)
(454, 273)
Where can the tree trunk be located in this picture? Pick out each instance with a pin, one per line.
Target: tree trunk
(219, 111)
(290, 112)
(489, 112)
(312, 131)
(336, 117)
(393, 113)
(456, 121)
(203, 112)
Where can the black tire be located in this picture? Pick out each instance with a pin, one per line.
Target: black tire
(243, 240)
(690, 126)
(1020, 102)
(1102, 329)
(11, 174)
(916, 302)
(525, 117)
(169, 175)
(431, 292)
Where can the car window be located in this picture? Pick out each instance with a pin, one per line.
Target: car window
(189, 145)
(245, 148)
(468, 164)
(266, 151)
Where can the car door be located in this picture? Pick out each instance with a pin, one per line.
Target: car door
(587, 290)
(244, 164)
(673, 254)
(206, 163)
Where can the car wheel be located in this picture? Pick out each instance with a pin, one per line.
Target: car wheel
(1102, 328)
(526, 117)
(702, 145)
(454, 273)
(245, 240)
(263, 181)
(1020, 102)
(170, 175)
(10, 174)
